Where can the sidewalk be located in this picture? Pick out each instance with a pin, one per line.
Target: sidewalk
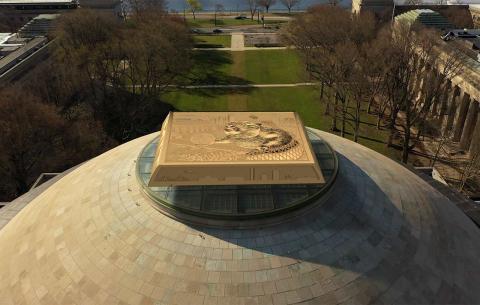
(238, 42)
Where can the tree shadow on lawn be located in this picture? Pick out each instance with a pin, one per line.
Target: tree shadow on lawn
(213, 92)
(366, 138)
(211, 68)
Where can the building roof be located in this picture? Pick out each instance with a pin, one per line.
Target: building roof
(234, 148)
(4, 37)
(426, 17)
(34, 2)
(381, 235)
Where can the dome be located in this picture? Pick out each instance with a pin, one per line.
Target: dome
(379, 235)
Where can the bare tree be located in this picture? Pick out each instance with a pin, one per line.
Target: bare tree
(266, 3)
(442, 140)
(471, 169)
(139, 7)
(315, 35)
(289, 4)
(125, 67)
(412, 54)
(38, 136)
(415, 79)
(330, 40)
(413, 2)
(195, 6)
(252, 7)
(31, 133)
(218, 9)
(7, 21)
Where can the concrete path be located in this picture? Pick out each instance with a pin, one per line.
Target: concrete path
(238, 42)
(248, 86)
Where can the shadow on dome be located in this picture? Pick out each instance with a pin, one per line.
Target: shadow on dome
(358, 233)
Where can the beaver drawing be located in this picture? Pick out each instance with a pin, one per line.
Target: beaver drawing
(257, 138)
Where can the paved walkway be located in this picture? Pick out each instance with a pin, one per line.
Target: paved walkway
(238, 42)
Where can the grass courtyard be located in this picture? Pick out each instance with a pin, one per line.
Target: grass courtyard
(228, 21)
(304, 100)
(212, 41)
(253, 66)
(264, 67)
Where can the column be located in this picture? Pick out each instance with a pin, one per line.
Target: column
(475, 145)
(420, 86)
(438, 97)
(471, 121)
(451, 109)
(447, 87)
(460, 117)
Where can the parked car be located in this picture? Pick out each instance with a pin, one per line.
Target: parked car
(241, 17)
(217, 31)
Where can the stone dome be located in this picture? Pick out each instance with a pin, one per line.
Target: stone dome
(383, 236)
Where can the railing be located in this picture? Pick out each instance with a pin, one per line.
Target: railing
(44, 177)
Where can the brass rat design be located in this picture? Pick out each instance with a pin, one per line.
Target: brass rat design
(257, 138)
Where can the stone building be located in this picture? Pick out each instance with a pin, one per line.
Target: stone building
(371, 5)
(19, 12)
(459, 111)
(475, 10)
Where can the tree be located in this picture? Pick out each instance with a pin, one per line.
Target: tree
(333, 2)
(31, 134)
(7, 21)
(416, 76)
(266, 3)
(195, 6)
(471, 170)
(123, 67)
(411, 56)
(252, 7)
(139, 7)
(37, 138)
(330, 41)
(442, 140)
(218, 8)
(289, 4)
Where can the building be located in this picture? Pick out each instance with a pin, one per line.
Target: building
(376, 6)
(475, 10)
(19, 12)
(426, 17)
(372, 232)
(24, 49)
(460, 100)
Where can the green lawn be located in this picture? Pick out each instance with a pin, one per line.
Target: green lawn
(210, 22)
(301, 99)
(304, 100)
(212, 41)
(271, 66)
(261, 67)
(264, 67)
